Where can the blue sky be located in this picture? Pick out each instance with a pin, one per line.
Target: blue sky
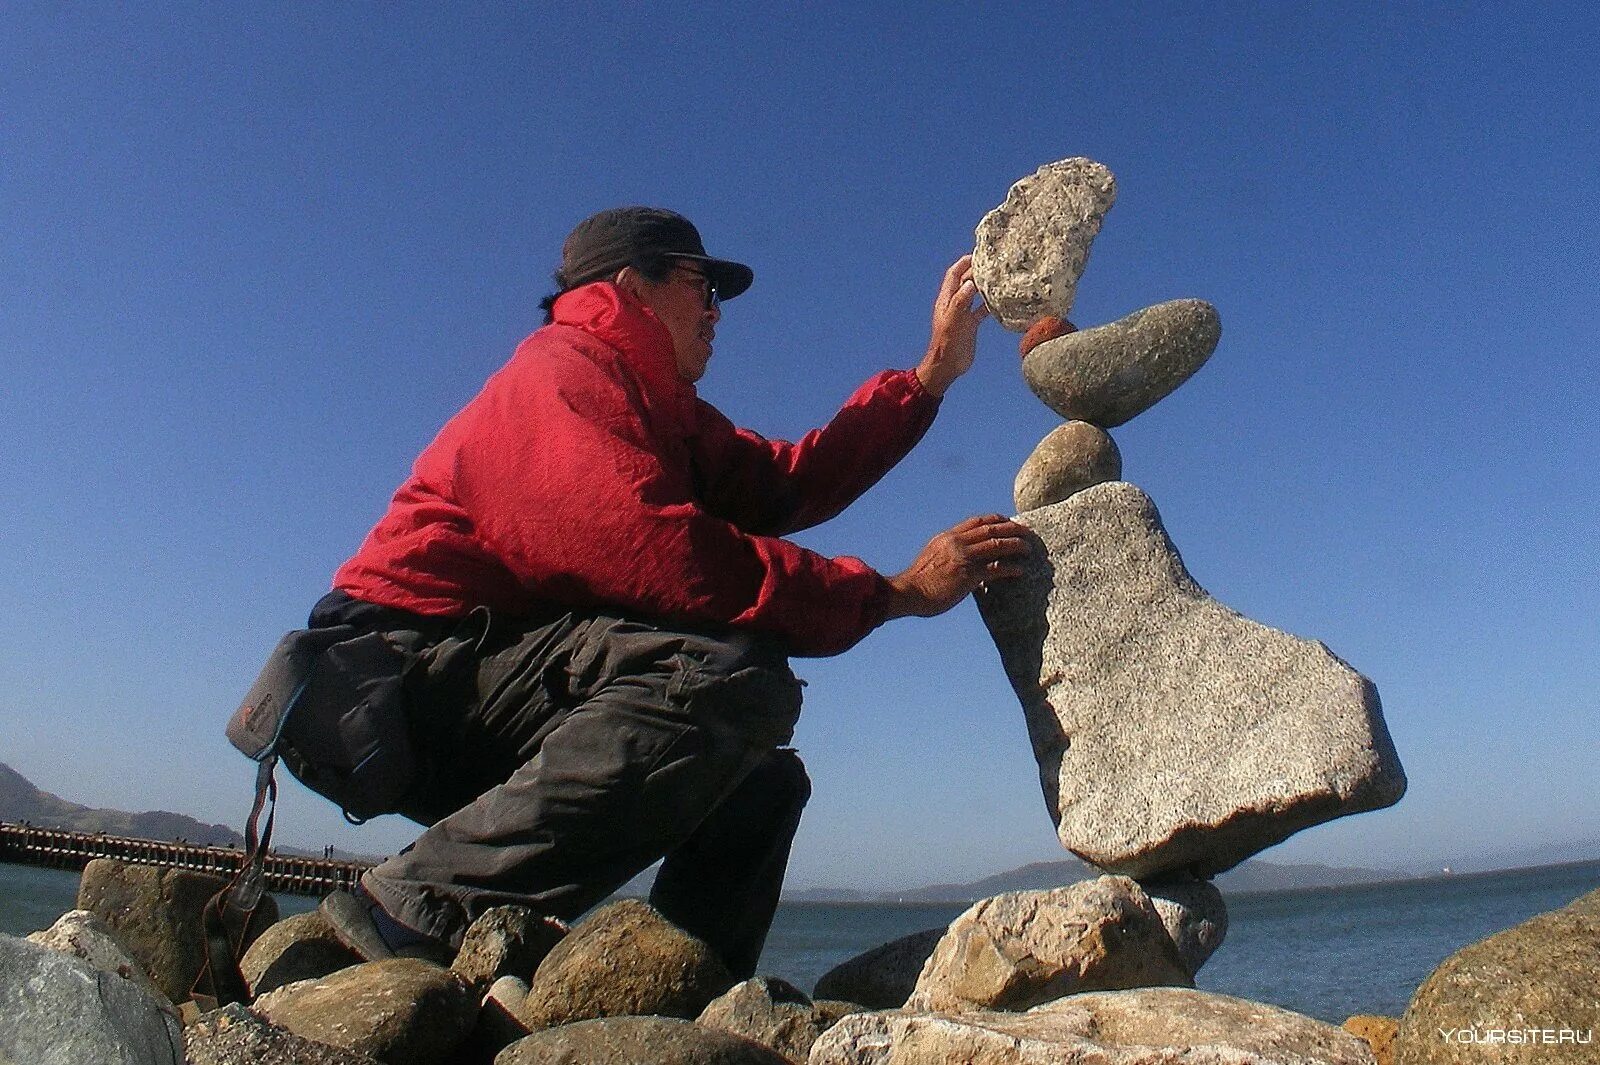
(250, 262)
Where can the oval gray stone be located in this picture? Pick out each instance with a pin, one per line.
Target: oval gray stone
(1069, 459)
(1171, 732)
(401, 1011)
(1031, 250)
(1110, 373)
(301, 947)
(636, 1041)
(624, 959)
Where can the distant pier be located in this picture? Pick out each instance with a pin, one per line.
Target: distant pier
(290, 874)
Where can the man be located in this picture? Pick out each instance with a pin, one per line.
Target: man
(631, 699)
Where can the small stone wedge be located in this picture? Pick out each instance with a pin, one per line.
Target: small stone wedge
(1031, 250)
(1110, 373)
(1171, 732)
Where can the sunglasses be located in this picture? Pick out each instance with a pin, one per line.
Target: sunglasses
(709, 286)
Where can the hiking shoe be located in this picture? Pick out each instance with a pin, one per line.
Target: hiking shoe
(368, 930)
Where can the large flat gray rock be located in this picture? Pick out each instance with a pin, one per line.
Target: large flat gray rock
(1031, 250)
(1171, 732)
(56, 1009)
(1150, 1026)
(1110, 373)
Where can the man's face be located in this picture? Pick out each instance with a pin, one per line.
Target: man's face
(682, 303)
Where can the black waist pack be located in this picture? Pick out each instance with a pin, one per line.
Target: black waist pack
(330, 702)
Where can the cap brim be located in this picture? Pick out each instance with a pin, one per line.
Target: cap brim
(731, 278)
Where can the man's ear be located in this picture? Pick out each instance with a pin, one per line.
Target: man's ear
(629, 281)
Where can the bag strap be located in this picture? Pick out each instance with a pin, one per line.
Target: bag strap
(228, 914)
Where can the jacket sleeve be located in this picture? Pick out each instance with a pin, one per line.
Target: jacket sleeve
(775, 487)
(584, 506)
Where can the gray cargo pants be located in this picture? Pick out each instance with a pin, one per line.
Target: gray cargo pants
(563, 757)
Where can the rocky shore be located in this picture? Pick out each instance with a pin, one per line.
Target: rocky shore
(1096, 972)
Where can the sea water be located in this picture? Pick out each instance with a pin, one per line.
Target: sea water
(1326, 952)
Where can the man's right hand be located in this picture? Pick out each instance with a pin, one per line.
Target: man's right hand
(955, 562)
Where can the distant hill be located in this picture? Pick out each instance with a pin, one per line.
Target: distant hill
(21, 801)
(1249, 876)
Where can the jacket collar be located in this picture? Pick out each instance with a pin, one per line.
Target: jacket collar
(621, 323)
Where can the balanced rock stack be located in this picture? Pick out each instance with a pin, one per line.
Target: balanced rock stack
(1172, 734)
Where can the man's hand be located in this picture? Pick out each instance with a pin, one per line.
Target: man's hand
(955, 328)
(956, 562)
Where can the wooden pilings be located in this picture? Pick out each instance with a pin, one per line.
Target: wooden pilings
(288, 873)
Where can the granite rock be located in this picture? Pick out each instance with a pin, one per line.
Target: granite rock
(771, 1012)
(1484, 1001)
(497, 1026)
(1110, 373)
(1031, 249)
(505, 941)
(883, 977)
(83, 935)
(57, 1009)
(1193, 913)
(401, 1011)
(1378, 1032)
(1150, 1026)
(1022, 948)
(235, 1036)
(154, 912)
(1171, 732)
(302, 947)
(637, 1041)
(624, 959)
(1069, 459)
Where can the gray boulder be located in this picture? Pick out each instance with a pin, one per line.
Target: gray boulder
(1022, 948)
(505, 941)
(83, 935)
(1171, 732)
(154, 911)
(1150, 1026)
(57, 1009)
(1110, 373)
(235, 1036)
(1031, 250)
(1193, 913)
(624, 959)
(1069, 459)
(402, 1011)
(636, 1041)
(302, 947)
(771, 1012)
(883, 977)
(1530, 983)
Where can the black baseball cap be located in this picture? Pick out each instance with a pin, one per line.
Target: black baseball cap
(602, 244)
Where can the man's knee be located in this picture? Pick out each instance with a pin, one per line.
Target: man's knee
(783, 775)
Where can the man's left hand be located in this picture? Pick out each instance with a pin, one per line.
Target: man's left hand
(956, 314)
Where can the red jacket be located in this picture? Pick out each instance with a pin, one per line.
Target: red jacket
(587, 473)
